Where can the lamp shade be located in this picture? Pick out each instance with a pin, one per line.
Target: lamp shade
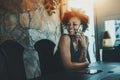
(107, 41)
(106, 35)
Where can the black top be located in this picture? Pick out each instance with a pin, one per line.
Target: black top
(74, 55)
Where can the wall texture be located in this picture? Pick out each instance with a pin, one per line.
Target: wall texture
(27, 21)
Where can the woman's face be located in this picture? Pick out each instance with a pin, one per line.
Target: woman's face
(73, 25)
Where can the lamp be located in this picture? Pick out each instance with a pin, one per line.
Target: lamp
(107, 41)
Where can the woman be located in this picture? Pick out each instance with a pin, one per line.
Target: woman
(72, 47)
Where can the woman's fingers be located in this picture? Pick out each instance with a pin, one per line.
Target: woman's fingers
(81, 36)
(82, 40)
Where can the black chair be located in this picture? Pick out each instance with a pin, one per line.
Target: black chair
(3, 66)
(45, 49)
(13, 53)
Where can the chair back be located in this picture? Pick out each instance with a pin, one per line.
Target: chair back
(3, 66)
(45, 49)
(13, 52)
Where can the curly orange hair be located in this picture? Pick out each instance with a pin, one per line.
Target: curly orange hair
(76, 13)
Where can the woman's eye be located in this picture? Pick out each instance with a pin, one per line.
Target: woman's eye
(74, 24)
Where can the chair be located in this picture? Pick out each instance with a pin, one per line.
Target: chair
(13, 52)
(3, 66)
(45, 49)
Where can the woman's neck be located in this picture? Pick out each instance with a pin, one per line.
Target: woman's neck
(74, 38)
(75, 43)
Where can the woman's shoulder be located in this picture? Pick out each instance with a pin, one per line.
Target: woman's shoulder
(65, 37)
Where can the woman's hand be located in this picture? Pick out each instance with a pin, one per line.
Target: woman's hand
(82, 39)
(84, 43)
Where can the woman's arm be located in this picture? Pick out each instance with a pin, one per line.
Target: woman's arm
(84, 45)
(64, 46)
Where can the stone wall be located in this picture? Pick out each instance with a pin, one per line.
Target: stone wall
(27, 21)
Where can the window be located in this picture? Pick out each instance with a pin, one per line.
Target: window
(113, 26)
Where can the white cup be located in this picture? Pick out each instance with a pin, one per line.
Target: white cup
(101, 52)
